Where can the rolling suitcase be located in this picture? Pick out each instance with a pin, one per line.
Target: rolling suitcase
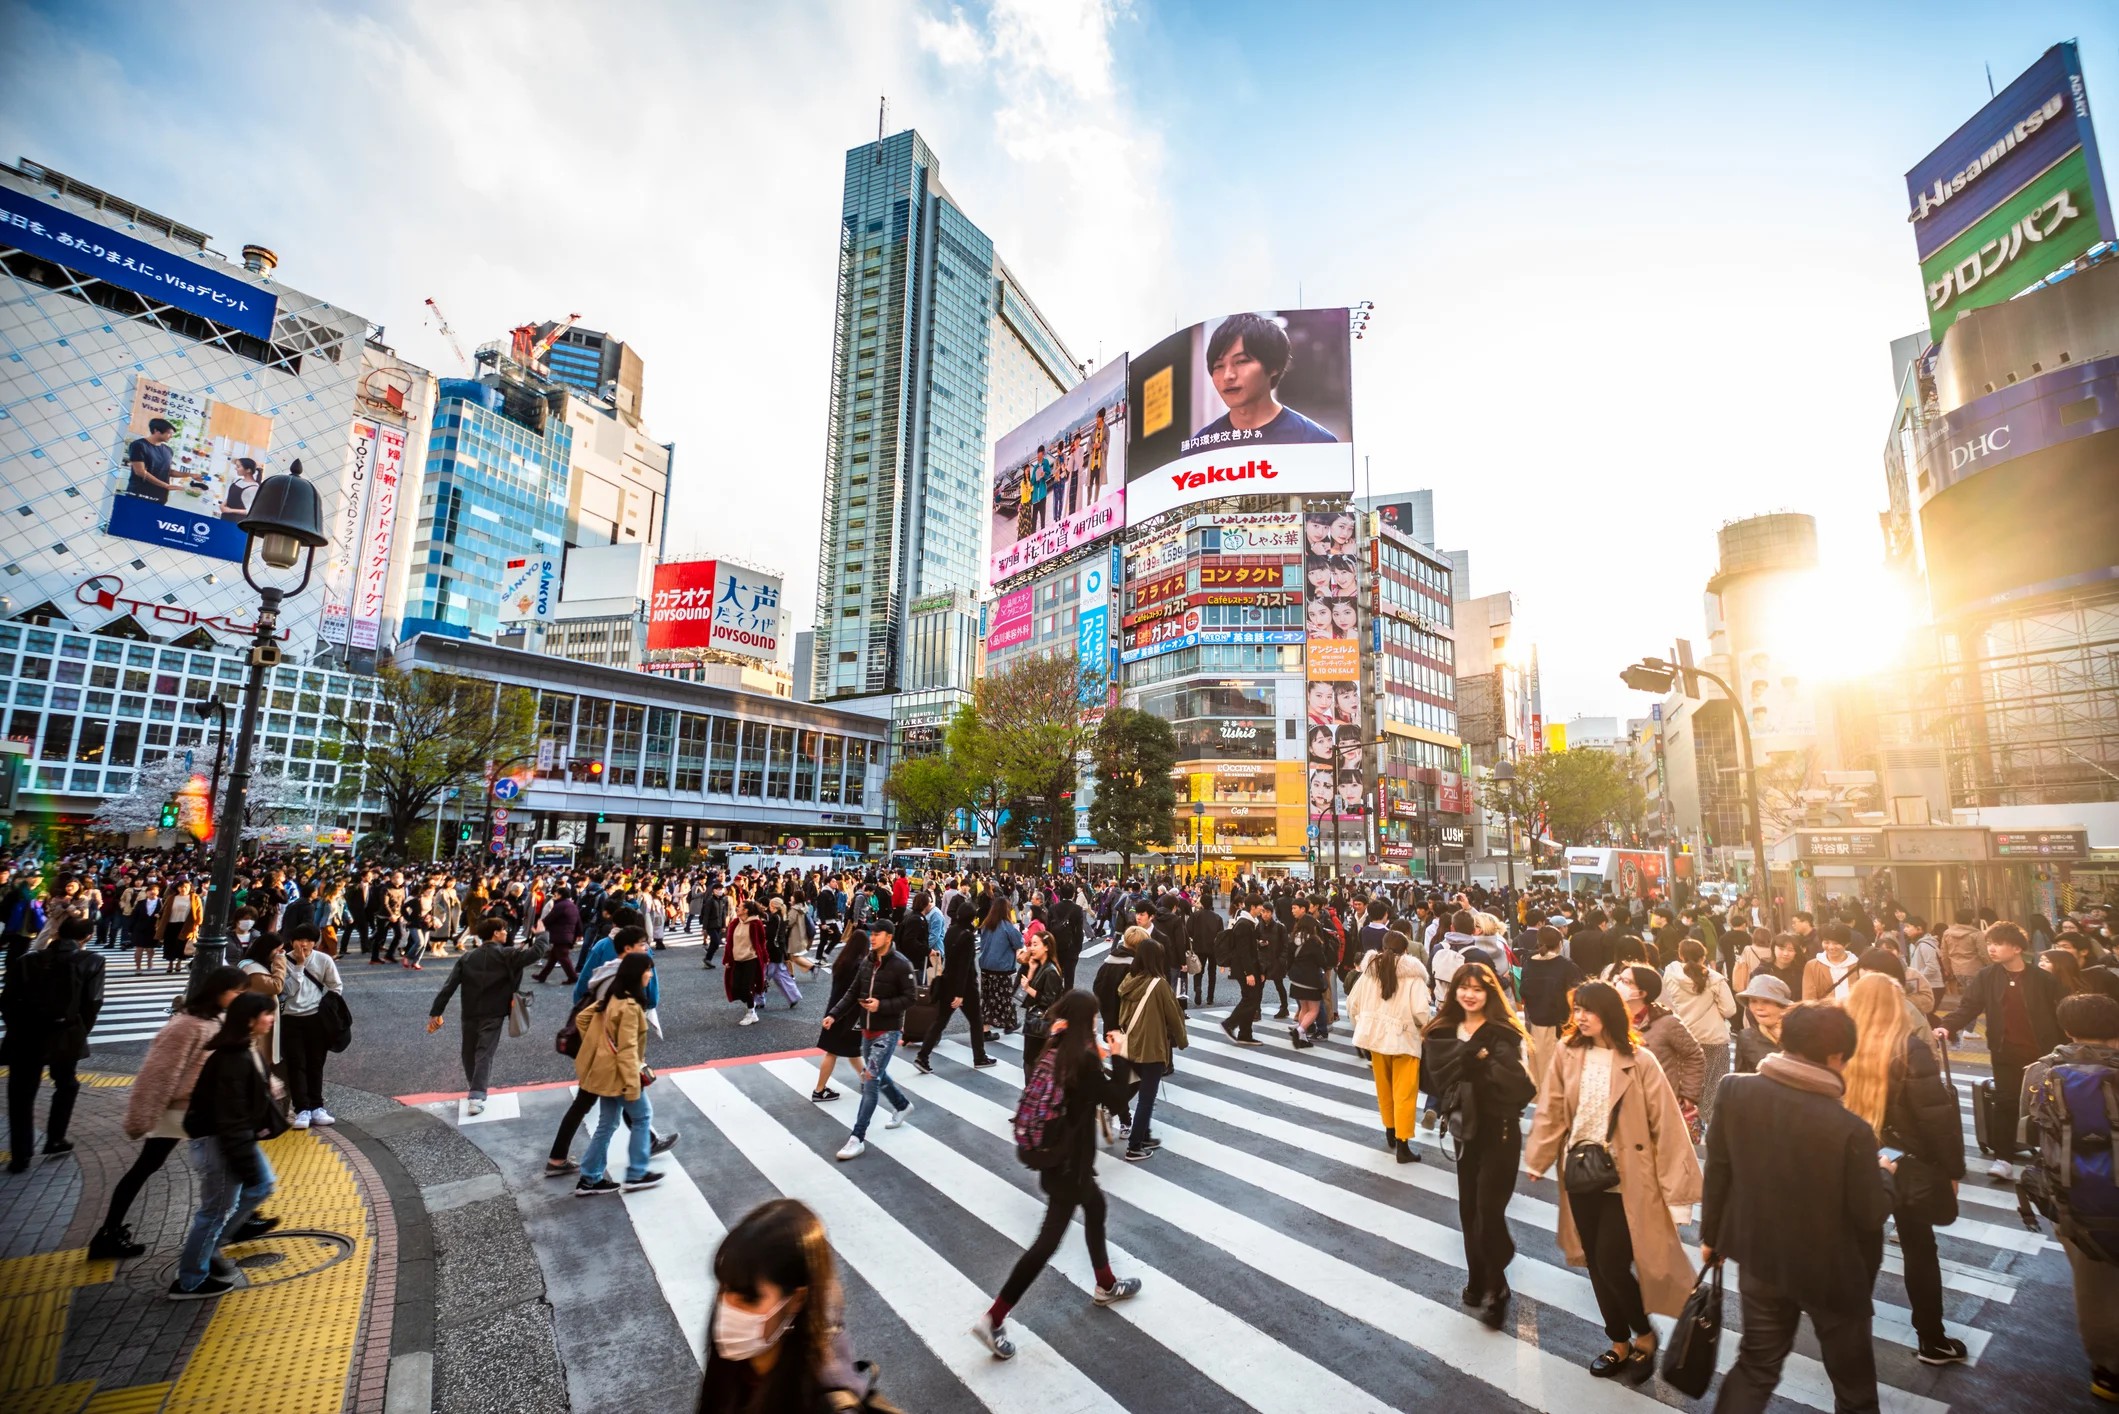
(1983, 1120)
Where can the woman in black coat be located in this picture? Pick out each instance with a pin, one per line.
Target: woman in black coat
(957, 989)
(1894, 1082)
(1306, 980)
(1471, 1063)
(232, 1108)
(1069, 1182)
(840, 1043)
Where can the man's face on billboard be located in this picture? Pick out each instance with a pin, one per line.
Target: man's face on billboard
(1240, 379)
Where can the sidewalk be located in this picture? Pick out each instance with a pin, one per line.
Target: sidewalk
(388, 1288)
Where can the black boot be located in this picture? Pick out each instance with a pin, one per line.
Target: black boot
(1390, 1138)
(114, 1244)
(1405, 1154)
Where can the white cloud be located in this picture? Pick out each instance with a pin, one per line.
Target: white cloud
(955, 42)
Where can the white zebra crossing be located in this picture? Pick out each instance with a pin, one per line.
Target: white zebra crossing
(134, 1005)
(1285, 1219)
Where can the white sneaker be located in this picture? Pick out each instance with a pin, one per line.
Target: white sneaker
(323, 1117)
(852, 1149)
(301, 1121)
(477, 1107)
(750, 1018)
(2001, 1170)
(897, 1117)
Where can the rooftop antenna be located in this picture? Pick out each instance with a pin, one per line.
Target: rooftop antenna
(1990, 80)
(882, 110)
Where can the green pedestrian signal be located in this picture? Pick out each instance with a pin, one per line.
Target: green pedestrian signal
(464, 835)
(599, 817)
(169, 815)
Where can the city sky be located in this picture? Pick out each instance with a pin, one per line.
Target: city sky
(1636, 274)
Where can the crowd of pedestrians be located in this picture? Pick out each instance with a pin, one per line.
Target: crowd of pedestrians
(1657, 1062)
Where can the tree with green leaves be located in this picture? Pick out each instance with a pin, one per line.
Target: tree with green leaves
(1134, 754)
(430, 732)
(1582, 796)
(927, 791)
(1022, 745)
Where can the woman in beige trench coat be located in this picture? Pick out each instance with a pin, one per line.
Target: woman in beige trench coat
(1605, 1088)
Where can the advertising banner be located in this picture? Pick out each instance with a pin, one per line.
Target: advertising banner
(1165, 589)
(371, 581)
(529, 588)
(1332, 713)
(336, 625)
(680, 612)
(187, 485)
(1012, 619)
(1170, 635)
(1059, 480)
(714, 604)
(1269, 534)
(1248, 404)
(79, 243)
(1092, 634)
(2013, 195)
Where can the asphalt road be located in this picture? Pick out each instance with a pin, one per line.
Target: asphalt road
(392, 1054)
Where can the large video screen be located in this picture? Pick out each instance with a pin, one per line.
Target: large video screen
(1059, 480)
(1248, 404)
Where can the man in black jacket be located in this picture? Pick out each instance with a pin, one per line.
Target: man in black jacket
(2018, 1001)
(1065, 919)
(1247, 970)
(490, 976)
(1591, 948)
(876, 1002)
(714, 917)
(1795, 1197)
(1203, 937)
(50, 1003)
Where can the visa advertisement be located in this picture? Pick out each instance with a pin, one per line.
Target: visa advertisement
(714, 604)
(2015, 194)
(1059, 480)
(81, 244)
(1248, 404)
(188, 470)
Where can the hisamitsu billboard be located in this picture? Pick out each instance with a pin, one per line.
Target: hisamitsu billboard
(80, 244)
(2013, 195)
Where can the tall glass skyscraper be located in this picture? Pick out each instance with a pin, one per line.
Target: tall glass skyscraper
(495, 487)
(931, 328)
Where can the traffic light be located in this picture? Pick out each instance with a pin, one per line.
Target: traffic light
(595, 770)
(599, 814)
(169, 814)
(464, 835)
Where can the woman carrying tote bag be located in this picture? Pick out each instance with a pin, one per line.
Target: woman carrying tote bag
(1610, 1118)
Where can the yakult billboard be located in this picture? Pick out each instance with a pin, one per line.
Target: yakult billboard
(714, 604)
(1246, 405)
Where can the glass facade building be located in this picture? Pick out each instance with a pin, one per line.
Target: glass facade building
(495, 488)
(921, 294)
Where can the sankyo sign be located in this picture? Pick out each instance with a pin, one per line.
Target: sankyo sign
(2049, 223)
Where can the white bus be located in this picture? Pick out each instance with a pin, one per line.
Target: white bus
(552, 852)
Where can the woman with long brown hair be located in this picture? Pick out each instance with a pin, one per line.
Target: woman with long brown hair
(777, 1338)
(1607, 1108)
(1894, 1082)
(1473, 1063)
(1389, 1004)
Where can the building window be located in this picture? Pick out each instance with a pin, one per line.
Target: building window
(750, 774)
(721, 764)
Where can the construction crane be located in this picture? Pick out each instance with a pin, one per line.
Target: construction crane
(544, 346)
(449, 334)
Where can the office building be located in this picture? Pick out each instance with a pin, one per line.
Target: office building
(934, 346)
(606, 369)
(1423, 794)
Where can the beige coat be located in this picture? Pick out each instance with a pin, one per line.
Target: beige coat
(613, 1048)
(1657, 1167)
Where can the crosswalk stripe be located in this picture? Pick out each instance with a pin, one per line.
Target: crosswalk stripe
(1521, 1371)
(1366, 1118)
(910, 1276)
(1251, 1365)
(1557, 1286)
(680, 1232)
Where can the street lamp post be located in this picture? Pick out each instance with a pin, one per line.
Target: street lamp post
(1656, 675)
(1505, 773)
(215, 707)
(285, 527)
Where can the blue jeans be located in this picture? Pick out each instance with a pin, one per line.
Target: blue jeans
(225, 1203)
(876, 1052)
(637, 1114)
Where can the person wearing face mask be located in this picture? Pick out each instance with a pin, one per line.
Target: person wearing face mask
(777, 1341)
(309, 974)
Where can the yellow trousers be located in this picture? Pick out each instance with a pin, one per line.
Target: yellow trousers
(1397, 1091)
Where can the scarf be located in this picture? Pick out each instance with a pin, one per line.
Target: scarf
(1799, 1074)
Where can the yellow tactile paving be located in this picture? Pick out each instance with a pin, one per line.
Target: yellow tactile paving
(94, 1079)
(53, 1399)
(34, 1295)
(283, 1346)
(140, 1399)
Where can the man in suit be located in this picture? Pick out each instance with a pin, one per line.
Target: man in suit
(1247, 970)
